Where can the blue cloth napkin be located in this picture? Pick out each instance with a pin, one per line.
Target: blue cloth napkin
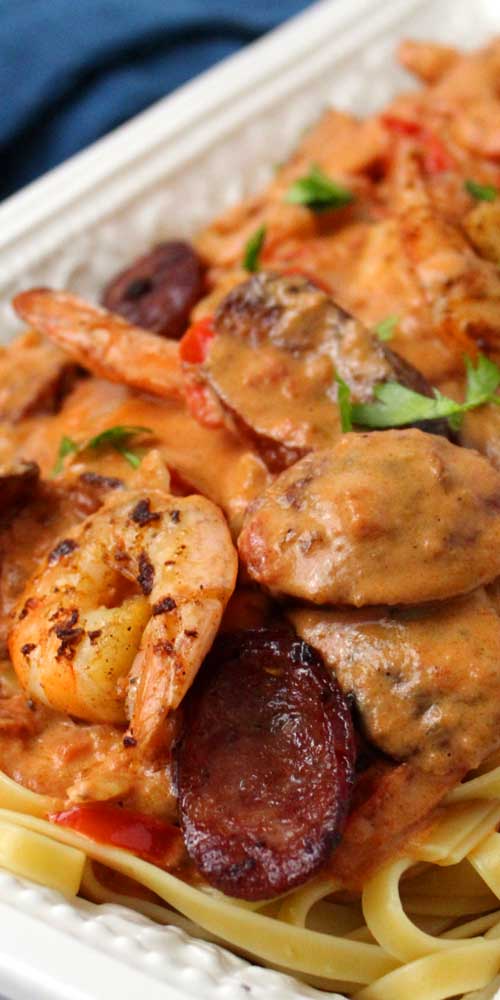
(71, 70)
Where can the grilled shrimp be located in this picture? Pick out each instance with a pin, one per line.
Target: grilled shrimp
(103, 342)
(117, 622)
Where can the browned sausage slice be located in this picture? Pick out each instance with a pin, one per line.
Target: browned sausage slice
(265, 764)
(158, 291)
(279, 342)
(17, 485)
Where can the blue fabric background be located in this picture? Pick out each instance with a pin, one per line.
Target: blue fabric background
(71, 70)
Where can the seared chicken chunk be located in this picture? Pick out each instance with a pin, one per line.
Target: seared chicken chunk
(35, 375)
(426, 680)
(393, 517)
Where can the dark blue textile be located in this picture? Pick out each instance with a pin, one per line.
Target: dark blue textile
(71, 70)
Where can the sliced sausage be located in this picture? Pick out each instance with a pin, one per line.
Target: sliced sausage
(279, 342)
(17, 485)
(265, 764)
(392, 517)
(159, 290)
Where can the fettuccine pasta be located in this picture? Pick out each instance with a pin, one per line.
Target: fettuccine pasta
(250, 553)
(395, 957)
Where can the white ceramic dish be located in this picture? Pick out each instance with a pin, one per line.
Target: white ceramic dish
(166, 173)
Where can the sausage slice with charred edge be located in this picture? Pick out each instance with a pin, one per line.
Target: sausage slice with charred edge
(265, 764)
(17, 484)
(278, 343)
(158, 291)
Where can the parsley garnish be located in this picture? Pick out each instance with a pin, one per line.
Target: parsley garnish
(481, 192)
(251, 259)
(385, 329)
(114, 437)
(318, 192)
(397, 406)
(66, 447)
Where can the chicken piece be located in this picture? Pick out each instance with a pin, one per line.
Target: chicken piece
(480, 429)
(425, 680)
(482, 225)
(427, 60)
(35, 375)
(461, 288)
(425, 683)
(393, 517)
(398, 805)
(472, 76)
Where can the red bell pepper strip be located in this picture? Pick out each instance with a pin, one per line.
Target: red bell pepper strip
(193, 348)
(436, 157)
(150, 838)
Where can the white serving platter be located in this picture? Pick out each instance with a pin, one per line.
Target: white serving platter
(164, 174)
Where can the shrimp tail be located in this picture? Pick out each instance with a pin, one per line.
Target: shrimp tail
(103, 342)
(168, 660)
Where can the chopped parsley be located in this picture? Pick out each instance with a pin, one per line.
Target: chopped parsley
(385, 329)
(253, 249)
(397, 406)
(481, 192)
(318, 192)
(117, 438)
(66, 447)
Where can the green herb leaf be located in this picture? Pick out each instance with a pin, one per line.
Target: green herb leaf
(482, 381)
(66, 447)
(344, 402)
(396, 406)
(118, 438)
(481, 192)
(131, 457)
(115, 437)
(385, 329)
(251, 259)
(318, 192)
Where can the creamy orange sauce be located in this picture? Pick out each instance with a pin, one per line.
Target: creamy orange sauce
(54, 755)
(213, 462)
(284, 341)
(385, 522)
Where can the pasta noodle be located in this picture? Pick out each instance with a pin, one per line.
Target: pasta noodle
(391, 953)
